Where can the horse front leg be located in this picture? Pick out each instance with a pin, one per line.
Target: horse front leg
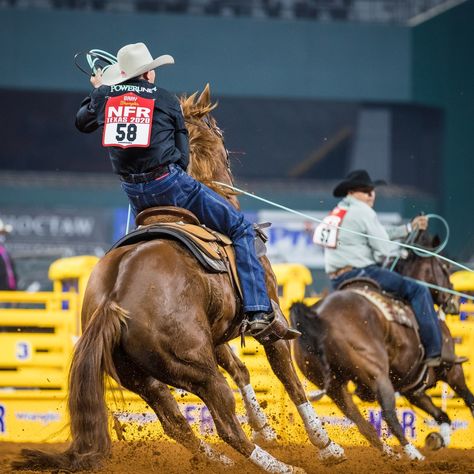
(262, 432)
(216, 393)
(386, 398)
(343, 399)
(279, 357)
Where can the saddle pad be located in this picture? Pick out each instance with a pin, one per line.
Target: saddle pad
(212, 249)
(394, 311)
(213, 263)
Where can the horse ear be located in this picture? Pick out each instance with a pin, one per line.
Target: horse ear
(187, 102)
(205, 97)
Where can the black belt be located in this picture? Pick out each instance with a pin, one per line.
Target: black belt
(145, 177)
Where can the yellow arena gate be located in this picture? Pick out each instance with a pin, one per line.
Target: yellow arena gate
(38, 332)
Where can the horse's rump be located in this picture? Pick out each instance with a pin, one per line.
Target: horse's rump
(356, 337)
(152, 279)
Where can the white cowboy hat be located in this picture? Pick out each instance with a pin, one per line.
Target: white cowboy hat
(132, 61)
(5, 228)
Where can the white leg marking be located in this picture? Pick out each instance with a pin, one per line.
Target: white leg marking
(413, 453)
(256, 415)
(389, 452)
(214, 455)
(332, 453)
(317, 434)
(262, 431)
(445, 432)
(268, 463)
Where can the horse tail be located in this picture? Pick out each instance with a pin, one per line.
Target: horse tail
(87, 408)
(307, 320)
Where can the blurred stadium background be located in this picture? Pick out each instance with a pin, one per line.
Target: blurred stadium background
(308, 90)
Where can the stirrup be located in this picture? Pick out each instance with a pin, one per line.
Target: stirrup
(271, 331)
(433, 361)
(257, 326)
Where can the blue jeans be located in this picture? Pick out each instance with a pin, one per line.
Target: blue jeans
(181, 190)
(418, 296)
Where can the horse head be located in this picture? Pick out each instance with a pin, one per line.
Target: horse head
(431, 270)
(208, 155)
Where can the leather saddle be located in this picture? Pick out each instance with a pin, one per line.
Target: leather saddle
(212, 249)
(392, 308)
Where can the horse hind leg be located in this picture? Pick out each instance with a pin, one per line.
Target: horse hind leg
(279, 357)
(159, 398)
(454, 377)
(218, 396)
(262, 432)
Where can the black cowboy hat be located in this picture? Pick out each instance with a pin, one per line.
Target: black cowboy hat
(354, 180)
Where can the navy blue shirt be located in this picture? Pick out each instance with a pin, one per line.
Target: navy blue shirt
(168, 140)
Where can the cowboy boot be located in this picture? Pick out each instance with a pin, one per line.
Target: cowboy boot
(270, 327)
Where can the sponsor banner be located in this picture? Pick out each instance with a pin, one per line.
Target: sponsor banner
(290, 237)
(60, 232)
(42, 418)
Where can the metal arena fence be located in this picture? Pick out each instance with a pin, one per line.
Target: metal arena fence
(37, 336)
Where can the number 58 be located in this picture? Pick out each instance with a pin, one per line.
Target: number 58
(128, 131)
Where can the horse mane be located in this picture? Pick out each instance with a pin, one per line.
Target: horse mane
(207, 161)
(424, 240)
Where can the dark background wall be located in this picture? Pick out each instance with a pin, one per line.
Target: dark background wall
(240, 57)
(443, 76)
(268, 138)
(285, 88)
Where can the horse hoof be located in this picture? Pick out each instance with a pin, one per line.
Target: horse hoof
(412, 453)
(316, 395)
(332, 454)
(389, 453)
(298, 470)
(210, 455)
(434, 441)
(265, 436)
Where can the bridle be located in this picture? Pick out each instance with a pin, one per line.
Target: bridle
(444, 269)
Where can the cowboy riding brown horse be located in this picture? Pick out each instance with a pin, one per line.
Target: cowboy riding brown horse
(153, 316)
(361, 335)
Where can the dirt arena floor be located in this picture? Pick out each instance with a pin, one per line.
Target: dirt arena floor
(169, 458)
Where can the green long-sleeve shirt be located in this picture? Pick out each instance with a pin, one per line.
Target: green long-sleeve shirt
(358, 251)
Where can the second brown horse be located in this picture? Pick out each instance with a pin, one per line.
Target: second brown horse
(346, 338)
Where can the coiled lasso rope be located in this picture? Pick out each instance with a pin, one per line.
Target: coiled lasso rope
(411, 238)
(96, 59)
(425, 252)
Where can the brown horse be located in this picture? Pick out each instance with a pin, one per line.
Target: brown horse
(153, 317)
(347, 338)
